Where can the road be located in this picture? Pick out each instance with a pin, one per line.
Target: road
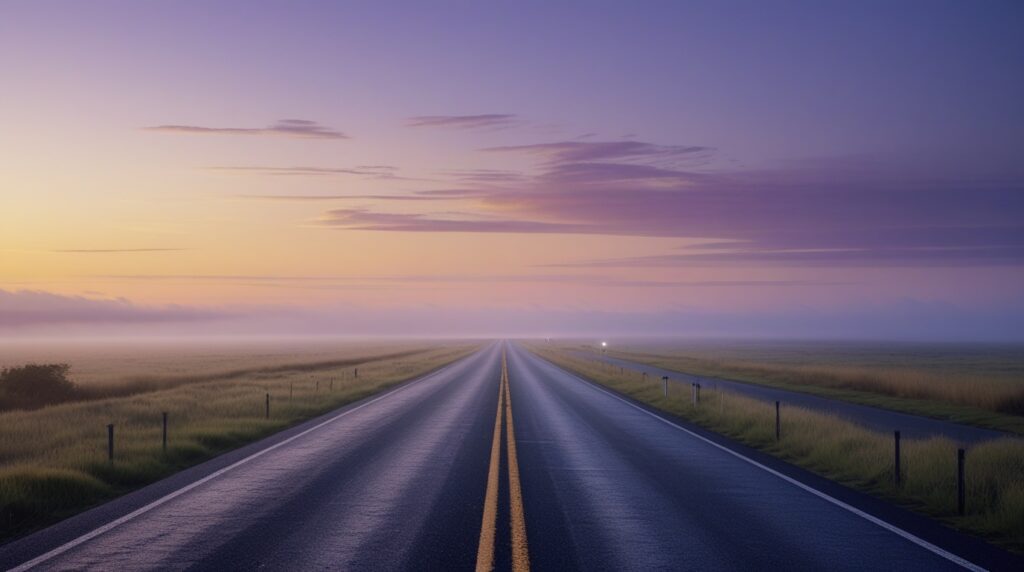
(533, 468)
(910, 426)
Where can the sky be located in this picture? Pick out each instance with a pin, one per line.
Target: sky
(720, 168)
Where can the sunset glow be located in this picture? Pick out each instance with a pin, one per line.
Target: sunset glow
(175, 167)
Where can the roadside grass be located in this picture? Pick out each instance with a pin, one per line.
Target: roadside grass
(53, 461)
(994, 402)
(847, 453)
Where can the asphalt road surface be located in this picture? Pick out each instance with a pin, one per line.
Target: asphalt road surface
(434, 475)
(910, 426)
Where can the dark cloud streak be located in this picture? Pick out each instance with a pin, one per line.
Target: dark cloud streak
(296, 128)
(484, 121)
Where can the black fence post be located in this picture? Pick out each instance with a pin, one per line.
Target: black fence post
(268, 405)
(960, 492)
(896, 459)
(165, 431)
(110, 442)
(778, 422)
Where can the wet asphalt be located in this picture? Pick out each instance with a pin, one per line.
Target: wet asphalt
(397, 482)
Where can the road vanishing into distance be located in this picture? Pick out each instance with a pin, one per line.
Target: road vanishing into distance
(499, 460)
(874, 418)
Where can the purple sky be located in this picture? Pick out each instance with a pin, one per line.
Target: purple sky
(750, 168)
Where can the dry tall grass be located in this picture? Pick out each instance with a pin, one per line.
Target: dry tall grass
(54, 460)
(848, 453)
(988, 400)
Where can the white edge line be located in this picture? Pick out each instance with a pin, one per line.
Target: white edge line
(868, 517)
(171, 496)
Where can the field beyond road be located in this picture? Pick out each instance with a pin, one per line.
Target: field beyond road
(974, 384)
(54, 460)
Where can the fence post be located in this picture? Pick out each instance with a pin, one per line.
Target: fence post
(355, 373)
(268, 405)
(960, 493)
(778, 422)
(165, 431)
(664, 385)
(110, 442)
(896, 458)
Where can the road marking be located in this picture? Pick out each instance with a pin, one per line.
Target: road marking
(824, 496)
(520, 550)
(485, 550)
(173, 495)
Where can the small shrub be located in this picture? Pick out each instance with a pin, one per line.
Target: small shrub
(33, 386)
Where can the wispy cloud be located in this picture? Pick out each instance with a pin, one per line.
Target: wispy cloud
(306, 198)
(484, 121)
(852, 212)
(435, 195)
(114, 250)
(362, 219)
(296, 128)
(377, 171)
(484, 176)
(622, 151)
(416, 279)
(25, 308)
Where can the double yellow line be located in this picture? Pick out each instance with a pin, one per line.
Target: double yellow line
(485, 551)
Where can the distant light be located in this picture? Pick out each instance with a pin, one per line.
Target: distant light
(604, 344)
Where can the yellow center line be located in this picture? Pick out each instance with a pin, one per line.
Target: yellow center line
(485, 550)
(520, 551)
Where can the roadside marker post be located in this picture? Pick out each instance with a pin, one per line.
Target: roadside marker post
(165, 431)
(664, 384)
(778, 422)
(696, 394)
(355, 373)
(268, 405)
(110, 442)
(960, 493)
(896, 459)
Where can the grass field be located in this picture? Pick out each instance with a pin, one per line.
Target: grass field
(847, 453)
(973, 384)
(53, 461)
